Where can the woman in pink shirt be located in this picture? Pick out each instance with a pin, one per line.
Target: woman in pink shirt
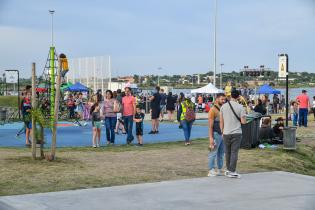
(110, 116)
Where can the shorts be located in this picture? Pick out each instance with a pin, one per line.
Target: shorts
(139, 130)
(97, 124)
(162, 108)
(28, 124)
(155, 114)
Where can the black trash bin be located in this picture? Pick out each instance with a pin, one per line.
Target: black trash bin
(250, 131)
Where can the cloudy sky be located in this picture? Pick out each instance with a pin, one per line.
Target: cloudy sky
(142, 35)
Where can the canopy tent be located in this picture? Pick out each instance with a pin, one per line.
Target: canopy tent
(66, 85)
(77, 87)
(209, 88)
(41, 88)
(267, 89)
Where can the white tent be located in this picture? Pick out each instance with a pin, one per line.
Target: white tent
(209, 88)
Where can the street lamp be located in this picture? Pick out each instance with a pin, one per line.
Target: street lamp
(215, 43)
(52, 26)
(221, 75)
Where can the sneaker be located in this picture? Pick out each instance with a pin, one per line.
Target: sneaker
(220, 172)
(97, 145)
(156, 132)
(94, 146)
(233, 175)
(226, 173)
(84, 124)
(152, 132)
(212, 173)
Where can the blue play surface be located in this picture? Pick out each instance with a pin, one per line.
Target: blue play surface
(75, 136)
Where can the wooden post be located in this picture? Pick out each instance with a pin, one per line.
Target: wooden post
(33, 117)
(56, 111)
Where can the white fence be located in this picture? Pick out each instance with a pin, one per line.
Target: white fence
(93, 72)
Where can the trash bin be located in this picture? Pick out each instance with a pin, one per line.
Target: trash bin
(289, 138)
(3, 115)
(250, 131)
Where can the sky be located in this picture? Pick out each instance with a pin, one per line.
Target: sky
(143, 35)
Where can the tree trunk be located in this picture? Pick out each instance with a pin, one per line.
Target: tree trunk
(33, 117)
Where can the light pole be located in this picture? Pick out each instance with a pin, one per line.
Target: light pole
(221, 75)
(160, 68)
(215, 43)
(52, 26)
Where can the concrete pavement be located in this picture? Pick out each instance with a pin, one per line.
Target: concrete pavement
(270, 190)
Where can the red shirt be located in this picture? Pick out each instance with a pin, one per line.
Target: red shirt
(127, 103)
(303, 100)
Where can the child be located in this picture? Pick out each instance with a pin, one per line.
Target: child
(139, 116)
(96, 123)
(26, 112)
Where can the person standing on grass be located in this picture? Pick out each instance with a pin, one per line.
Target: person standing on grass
(110, 116)
(96, 124)
(304, 104)
(187, 118)
(216, 145)
(170, 106)
(162, 104)
(139, 117)
(129, 110)
(26, 113)
(232, 116)
(155, 110)
(313, 107)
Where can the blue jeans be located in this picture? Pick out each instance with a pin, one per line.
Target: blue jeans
(295, 118)
(187, 129)
(303, 112)
(217, 152)
(128, 123)
(110, 124)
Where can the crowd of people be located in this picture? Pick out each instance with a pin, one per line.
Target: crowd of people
(119, 110)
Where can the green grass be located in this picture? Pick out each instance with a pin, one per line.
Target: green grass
(9, 101)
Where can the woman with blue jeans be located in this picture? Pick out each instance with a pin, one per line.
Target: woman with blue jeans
(110, 117)
(186, 105)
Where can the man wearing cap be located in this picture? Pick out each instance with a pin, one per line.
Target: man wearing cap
(232, 116)
(304, 104)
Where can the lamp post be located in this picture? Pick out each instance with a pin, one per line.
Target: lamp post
(52, 26)
(215, 43)
(221, 75)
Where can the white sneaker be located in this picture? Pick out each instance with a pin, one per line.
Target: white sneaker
(220, 172)
(94, 146)
(233, 175)
(97, 145)
(212, 173)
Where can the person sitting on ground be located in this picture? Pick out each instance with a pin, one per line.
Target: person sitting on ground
(278, 128)
(265, 132)
(138, 119)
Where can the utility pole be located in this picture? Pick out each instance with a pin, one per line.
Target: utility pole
(215, 43)
(221, 75)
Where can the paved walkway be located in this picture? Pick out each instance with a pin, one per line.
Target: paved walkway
(271, 190)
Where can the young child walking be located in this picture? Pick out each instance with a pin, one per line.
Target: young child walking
(138, 119)
(96, 123)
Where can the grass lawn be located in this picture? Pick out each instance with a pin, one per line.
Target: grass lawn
(9, 101)
(77, 168)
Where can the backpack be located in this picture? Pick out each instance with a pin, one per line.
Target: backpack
(190, 114)
(117, 106)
